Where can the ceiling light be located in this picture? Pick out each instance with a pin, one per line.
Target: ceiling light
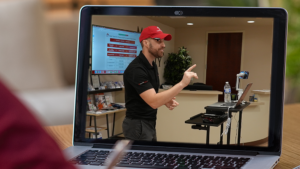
(190, 23)
(251, 21)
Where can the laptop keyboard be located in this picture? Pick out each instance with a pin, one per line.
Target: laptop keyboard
(228, 104)
(157, 160)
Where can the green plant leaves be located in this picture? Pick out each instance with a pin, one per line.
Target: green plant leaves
(293, 41)
(176, 65)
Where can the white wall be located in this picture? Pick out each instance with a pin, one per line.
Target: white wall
(256, 51)
(194, 40)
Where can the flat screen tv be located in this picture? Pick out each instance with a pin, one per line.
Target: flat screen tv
(113, 49)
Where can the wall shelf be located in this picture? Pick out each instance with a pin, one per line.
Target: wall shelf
(103, 91)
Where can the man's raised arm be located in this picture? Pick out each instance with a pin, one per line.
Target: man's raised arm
(156, 100)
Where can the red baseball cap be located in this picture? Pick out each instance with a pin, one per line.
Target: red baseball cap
(154, 32)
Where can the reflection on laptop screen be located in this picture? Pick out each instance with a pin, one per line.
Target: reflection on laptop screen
(220, 46)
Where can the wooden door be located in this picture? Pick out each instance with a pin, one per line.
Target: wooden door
(223, 60)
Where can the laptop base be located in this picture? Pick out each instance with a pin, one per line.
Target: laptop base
(258, 161)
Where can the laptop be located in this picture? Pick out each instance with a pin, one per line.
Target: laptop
(233, 104)
(263, 54)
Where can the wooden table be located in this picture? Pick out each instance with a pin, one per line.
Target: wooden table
(95, 130)
(290, 157)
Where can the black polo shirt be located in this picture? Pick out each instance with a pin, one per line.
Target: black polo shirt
(140, 76)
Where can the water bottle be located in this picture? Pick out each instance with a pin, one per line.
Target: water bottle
(227, 93)
(99, 135)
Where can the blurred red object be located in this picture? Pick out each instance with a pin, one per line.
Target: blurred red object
(23, 141)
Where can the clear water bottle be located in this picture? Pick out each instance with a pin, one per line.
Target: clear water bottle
(99, 135)
(227, 93)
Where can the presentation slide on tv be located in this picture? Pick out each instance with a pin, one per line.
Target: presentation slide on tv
(113, 50)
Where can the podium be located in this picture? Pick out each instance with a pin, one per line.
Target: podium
(201, 124)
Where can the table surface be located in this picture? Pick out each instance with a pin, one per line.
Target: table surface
(198, 120)
(236, 109)
(107, 112)
(290, 156)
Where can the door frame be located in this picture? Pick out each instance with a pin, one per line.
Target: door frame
(242, 51)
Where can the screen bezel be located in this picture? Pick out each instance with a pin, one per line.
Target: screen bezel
(277, 76)
(92, 47)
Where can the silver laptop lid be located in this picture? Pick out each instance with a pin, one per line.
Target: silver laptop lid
(270, 30)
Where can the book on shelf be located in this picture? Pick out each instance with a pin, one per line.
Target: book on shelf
(103, 100)
(108, 98)
(100, 100)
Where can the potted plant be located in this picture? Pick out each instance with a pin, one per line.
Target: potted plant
(176, 65)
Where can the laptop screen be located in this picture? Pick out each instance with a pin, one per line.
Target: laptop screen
(222, 42)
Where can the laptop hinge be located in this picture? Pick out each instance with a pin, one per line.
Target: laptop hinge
(105, 146)
(178, 149)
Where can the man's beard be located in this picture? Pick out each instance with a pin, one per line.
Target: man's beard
(154, 52)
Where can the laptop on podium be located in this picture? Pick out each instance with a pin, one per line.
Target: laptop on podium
(103, 51)
(233, 104)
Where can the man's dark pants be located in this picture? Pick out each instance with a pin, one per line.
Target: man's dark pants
(139, 129)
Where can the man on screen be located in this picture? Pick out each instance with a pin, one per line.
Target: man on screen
(141, 82)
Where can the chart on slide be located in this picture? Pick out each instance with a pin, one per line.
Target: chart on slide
(113, 50)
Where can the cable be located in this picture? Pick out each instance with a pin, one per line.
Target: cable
(225, 131)
(236, 130)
